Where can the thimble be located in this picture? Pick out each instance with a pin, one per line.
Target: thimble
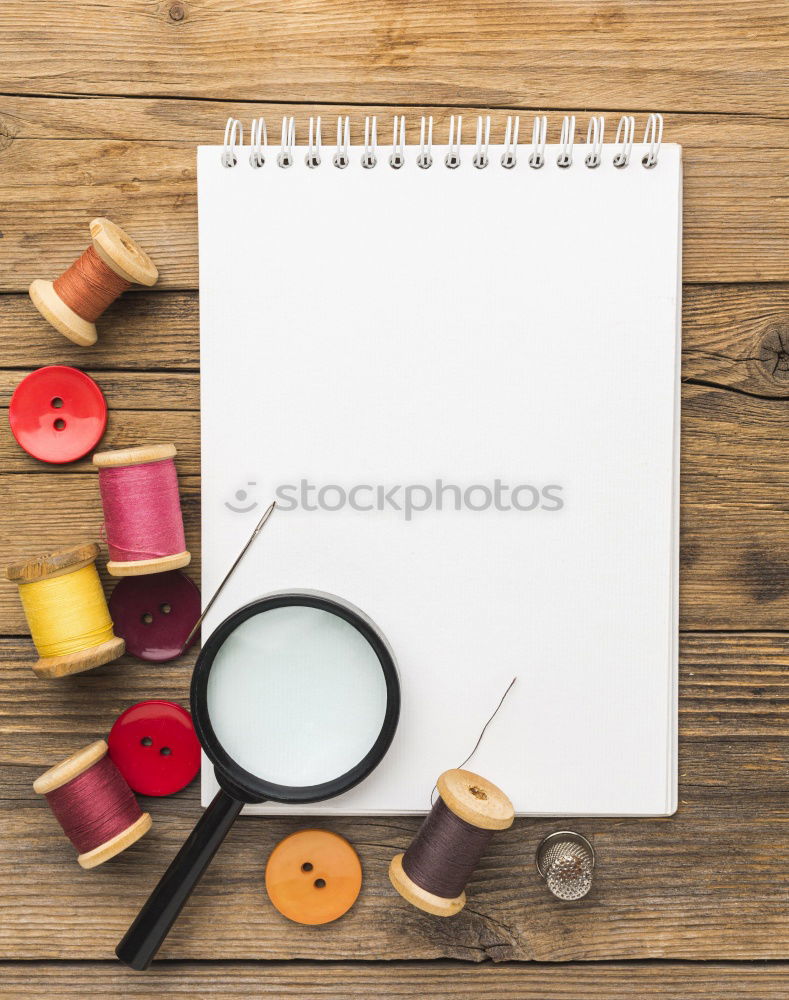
(565, 861)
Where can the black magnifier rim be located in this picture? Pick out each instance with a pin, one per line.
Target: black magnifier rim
(249, 787)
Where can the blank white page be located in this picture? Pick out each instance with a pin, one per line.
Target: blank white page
(451, 330)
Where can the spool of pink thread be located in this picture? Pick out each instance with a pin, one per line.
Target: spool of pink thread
(142, 510)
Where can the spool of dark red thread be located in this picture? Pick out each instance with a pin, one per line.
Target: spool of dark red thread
(433, 873)
(75, 300)
(142, 510)
(93, 804)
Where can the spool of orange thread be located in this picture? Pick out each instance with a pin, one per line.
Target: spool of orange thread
(75, 300)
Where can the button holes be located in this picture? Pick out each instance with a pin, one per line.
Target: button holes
(319, 883)
(165, 608)
(165, 751)
(60, 424)
(307, 866)
(146, 741)
(146, 618)
(56, 402)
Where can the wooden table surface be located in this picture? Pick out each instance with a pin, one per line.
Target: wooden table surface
(101, 106)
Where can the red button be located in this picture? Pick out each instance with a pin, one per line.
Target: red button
(154, 746)
(57, 414)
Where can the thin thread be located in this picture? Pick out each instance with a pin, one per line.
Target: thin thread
(89, 285)
(67, 613)
(479, 738)
(95, 806)
(445, 852)
(142, 510)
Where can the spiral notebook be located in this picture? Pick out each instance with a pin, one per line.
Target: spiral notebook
(456, 364)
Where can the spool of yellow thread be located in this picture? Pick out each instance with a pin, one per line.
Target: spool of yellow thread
(66, 610)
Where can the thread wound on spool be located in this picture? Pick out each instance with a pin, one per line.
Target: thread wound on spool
(66, 610)
(89, 286)
(433, 872)
(142, 511)
(67, 613)
(95, 806)
(445, 852)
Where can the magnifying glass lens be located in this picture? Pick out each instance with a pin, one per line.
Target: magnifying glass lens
(296, 696)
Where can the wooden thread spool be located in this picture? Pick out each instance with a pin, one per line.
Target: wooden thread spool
(112, 819)
(450, 843)
(69, 620)
(142, 510)
(128, 264)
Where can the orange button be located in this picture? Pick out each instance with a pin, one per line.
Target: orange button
(313, 876)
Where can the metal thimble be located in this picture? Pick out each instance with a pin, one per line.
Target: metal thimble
(565, 861)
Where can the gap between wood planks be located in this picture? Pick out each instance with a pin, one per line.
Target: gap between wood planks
(336, 102)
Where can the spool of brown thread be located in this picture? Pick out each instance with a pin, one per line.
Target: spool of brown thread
(433, 872)
(75, 300)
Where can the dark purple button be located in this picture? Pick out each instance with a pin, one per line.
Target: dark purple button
(155, 614)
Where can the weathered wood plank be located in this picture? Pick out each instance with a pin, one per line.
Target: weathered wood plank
(733, 335)
(396, 980)
(707, 882)
(135, 161)
(708, 57)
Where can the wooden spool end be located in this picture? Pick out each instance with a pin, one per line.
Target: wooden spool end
(61, 563)
(51, 564)
(62, 317)
(54, 667)
(141, 456)
(71, 768)
(123, 254)
(475, 799)
(419, 897)
(134, 456)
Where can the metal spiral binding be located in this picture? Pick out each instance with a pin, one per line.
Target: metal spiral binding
(480, 158)
(538, 136)
(370, 156)
(594, 138)
(625, 133)
(565, 157)
(258, 143)
(509, 157)
(397, 159)
(341, 158)
(233, 143)
(285, 156)
(452, 159)
(313, 156)
(654, 136)
(424, 159)
(234, 134)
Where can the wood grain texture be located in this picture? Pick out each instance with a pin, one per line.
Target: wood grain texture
(134, 161)
(397, 980)
(707, 56)
(132, 88)
(706, 882)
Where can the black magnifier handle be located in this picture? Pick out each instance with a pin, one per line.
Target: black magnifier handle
(152, 924)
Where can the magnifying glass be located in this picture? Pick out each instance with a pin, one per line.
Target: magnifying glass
(295, 698)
